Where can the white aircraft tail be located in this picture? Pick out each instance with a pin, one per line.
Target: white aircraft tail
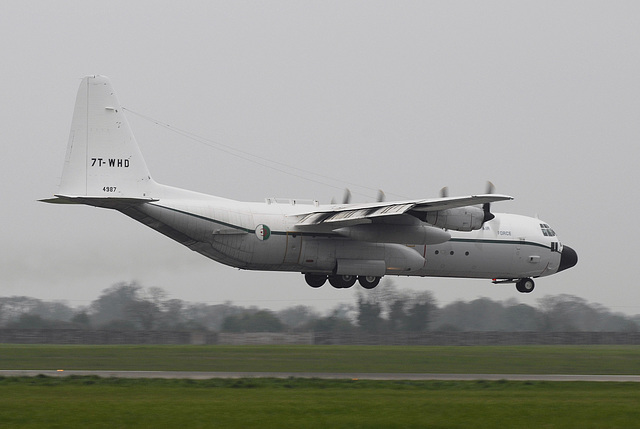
(103, 160)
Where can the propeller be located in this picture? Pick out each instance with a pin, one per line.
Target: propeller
(346, 198)
(486, 207)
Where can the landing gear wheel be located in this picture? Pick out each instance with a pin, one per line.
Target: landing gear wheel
(525, 285)
(342, 282)
(315, 280)
(368, 282)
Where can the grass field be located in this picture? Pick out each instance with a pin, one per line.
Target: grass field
(287, 403)
(347, 359)
(302, 403)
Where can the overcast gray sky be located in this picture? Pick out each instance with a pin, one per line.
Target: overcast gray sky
(541, 97)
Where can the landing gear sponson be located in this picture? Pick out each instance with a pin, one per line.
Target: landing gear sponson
(341, 282)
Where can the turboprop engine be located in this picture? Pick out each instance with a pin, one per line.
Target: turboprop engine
(459, 218)
(391, 233)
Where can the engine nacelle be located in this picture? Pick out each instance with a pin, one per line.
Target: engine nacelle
(459, 218)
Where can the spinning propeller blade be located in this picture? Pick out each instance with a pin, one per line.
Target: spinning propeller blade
(487, 206)
(346, 198)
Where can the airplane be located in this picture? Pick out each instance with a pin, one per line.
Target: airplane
(339, 243)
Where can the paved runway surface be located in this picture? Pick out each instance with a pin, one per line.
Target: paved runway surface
(360, 376)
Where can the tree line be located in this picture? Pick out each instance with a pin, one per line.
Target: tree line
(129, 306)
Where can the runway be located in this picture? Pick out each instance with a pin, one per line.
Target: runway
(195, 375)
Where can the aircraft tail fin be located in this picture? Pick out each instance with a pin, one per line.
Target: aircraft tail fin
(103, 159)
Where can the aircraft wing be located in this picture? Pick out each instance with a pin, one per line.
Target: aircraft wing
(436, 204)
(338, 216)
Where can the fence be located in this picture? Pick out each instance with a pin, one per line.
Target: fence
(75, 336)
(483, 338)
(81, 336)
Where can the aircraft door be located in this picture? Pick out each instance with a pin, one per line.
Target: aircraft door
(293, 248)
(526, 261)
(318, 254)
(517, 256)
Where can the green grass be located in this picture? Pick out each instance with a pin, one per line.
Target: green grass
(341, 359)
(75, 401)
(295, 403)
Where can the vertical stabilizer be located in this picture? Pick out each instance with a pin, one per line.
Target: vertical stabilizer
(103, 158)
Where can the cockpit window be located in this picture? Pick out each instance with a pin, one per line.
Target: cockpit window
(547, 231)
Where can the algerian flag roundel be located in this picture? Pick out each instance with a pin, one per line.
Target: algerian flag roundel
(263, 232)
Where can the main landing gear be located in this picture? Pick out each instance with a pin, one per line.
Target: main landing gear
(341, 282)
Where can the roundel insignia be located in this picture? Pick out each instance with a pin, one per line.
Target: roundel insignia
(263, 232)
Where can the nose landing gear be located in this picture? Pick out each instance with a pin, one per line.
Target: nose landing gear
(525, 285)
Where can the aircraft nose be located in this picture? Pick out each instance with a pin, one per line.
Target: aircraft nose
(568, 259)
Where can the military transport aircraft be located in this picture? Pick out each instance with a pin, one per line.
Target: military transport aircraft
(341, 243)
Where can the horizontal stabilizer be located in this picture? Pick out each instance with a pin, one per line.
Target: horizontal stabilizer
(106, 202)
